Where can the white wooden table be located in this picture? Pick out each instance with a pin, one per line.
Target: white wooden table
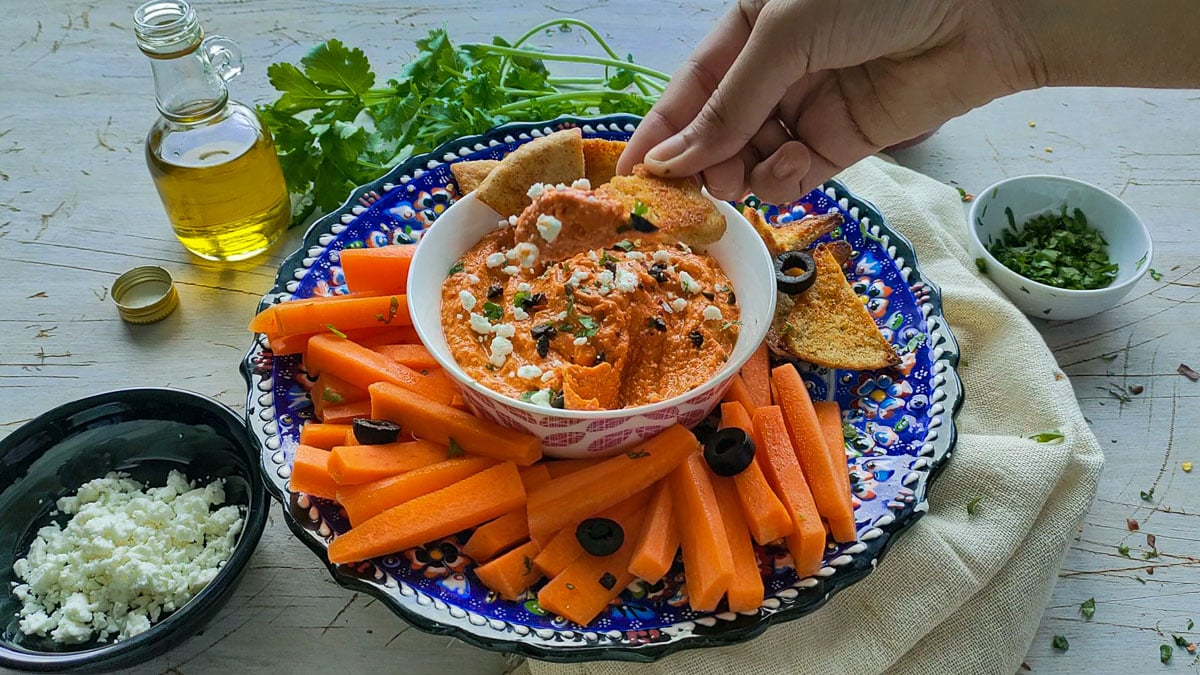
(77, 208)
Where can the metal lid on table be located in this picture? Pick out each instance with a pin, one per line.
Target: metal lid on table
(145, 294)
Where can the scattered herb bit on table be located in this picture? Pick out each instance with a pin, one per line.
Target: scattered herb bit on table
(1147, 495)
(1060, 643)
(1059, 250)
(1155, 274)
(973, 505)
(1088, 608)
(1164, 653)
(336, 127)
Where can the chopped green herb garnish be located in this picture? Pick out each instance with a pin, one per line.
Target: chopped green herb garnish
(1088, 608)
(587, 327)
(1060, 643)
(606, 259)
(528, 396)
(1147, 495)
(1155, 274)
(915, 341)
(1164, 653)
(1152, 553)
(454, 449)
(393, 310)
(981, 265)
(637, 454)
(1123, 549)
(1140, 580)
(1180, 641)
(625, 245)
(493, 311)
(973, 505)
(1190, 624)
(333, 329)
(640, 209)
(730, 324)
(520, 297)
(528, 563)
(456, 268)
(330, 396)
(1109, 357)
(1058, 250)
(1047, 437)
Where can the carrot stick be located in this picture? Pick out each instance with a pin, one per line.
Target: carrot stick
(830, 418)
(756, 375)
(809, 443)
(362, 367)
(363, 502)
(324, 316)
(456, 507)
(740, 393)
(707, 560)
(765, 515)
(384, 335)
(445, 386)
(581, 591)
(562, 467)
(572, 498)
(310, 473)
(746, 589)
(437, 422)
(377, 270)
(330, 389)
(807, 542)
(564, 548)
(324, 436)
(509, 529)
(659, 539)
(345, 414)
(358, 464)
(416, 357)
(512, 573)
(289, 344)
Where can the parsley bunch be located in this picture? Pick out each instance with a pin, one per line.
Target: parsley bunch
(1059, 250)
(335, 129)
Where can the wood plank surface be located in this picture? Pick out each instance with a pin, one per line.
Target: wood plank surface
(77, 208)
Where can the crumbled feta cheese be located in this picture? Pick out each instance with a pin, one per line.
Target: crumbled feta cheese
(536, 190)
(524, 287)
(529, 372)
(547, 376)
(520, 314)
(666, 307)
(128, 556)
(678, 304)
(526, 253)
(605, 277)
(511, 270)
(578, 276)
(593, 256)
(580, 341)
(548, 226)
(635, 255)
(480, 324)
(561, 315)
(712, 313)
(581, 184)
(495, 260)
(688, 284)
(512, 220)
(501, 224)
(473, 278)
(505, 330)
(467, 300)
(501, 348)
(458, 316)
(541, 397)
(626, 281)
(662, 256)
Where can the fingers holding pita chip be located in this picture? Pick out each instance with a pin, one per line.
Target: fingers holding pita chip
(600, 159)
(675, 205)
(469, 175)
(556, 158)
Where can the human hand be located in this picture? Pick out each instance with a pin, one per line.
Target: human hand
(783, 94)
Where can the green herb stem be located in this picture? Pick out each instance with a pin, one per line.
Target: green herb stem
(553, 98)
(558, 23)
(568, 58)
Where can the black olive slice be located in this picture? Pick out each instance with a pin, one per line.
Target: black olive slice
(494, 291)
(600, 536)
(697, 339)
(729, 451)
(641, 224)
(795, 272)
(375, 432)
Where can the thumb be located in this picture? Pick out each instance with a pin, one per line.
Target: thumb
(745, 97)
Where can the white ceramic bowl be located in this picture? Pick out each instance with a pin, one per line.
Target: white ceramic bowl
(1128, 240)
(589, 433)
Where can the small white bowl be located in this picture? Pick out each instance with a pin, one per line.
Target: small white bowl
(1129, 243)
(741, 254)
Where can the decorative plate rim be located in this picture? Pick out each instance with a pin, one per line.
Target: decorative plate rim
(928, 463)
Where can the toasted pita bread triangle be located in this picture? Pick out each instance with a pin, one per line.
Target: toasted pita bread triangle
(674, 205)
(600, 159)
(469, 175)
(794, 236)
(556, 158)
(828, 325)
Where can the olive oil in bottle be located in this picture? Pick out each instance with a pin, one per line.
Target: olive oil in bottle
(212, 160)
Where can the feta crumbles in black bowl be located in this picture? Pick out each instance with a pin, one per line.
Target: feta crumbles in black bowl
(126, 522)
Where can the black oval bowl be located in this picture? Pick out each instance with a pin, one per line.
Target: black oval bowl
(144, 433)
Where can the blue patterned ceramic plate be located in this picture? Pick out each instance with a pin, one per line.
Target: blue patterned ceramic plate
(902, 421)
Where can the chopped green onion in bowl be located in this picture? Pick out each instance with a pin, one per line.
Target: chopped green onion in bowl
(1056, 249)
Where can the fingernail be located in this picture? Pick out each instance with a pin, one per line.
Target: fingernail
(666, 151)
(783, 169)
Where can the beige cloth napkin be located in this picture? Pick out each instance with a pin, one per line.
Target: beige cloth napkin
(958, 593)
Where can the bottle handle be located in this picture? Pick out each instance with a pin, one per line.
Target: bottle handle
(224, 55)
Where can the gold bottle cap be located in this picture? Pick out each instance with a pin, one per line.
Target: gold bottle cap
(145, 294)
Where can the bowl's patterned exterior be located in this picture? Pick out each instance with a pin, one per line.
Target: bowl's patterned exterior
(899, 427)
